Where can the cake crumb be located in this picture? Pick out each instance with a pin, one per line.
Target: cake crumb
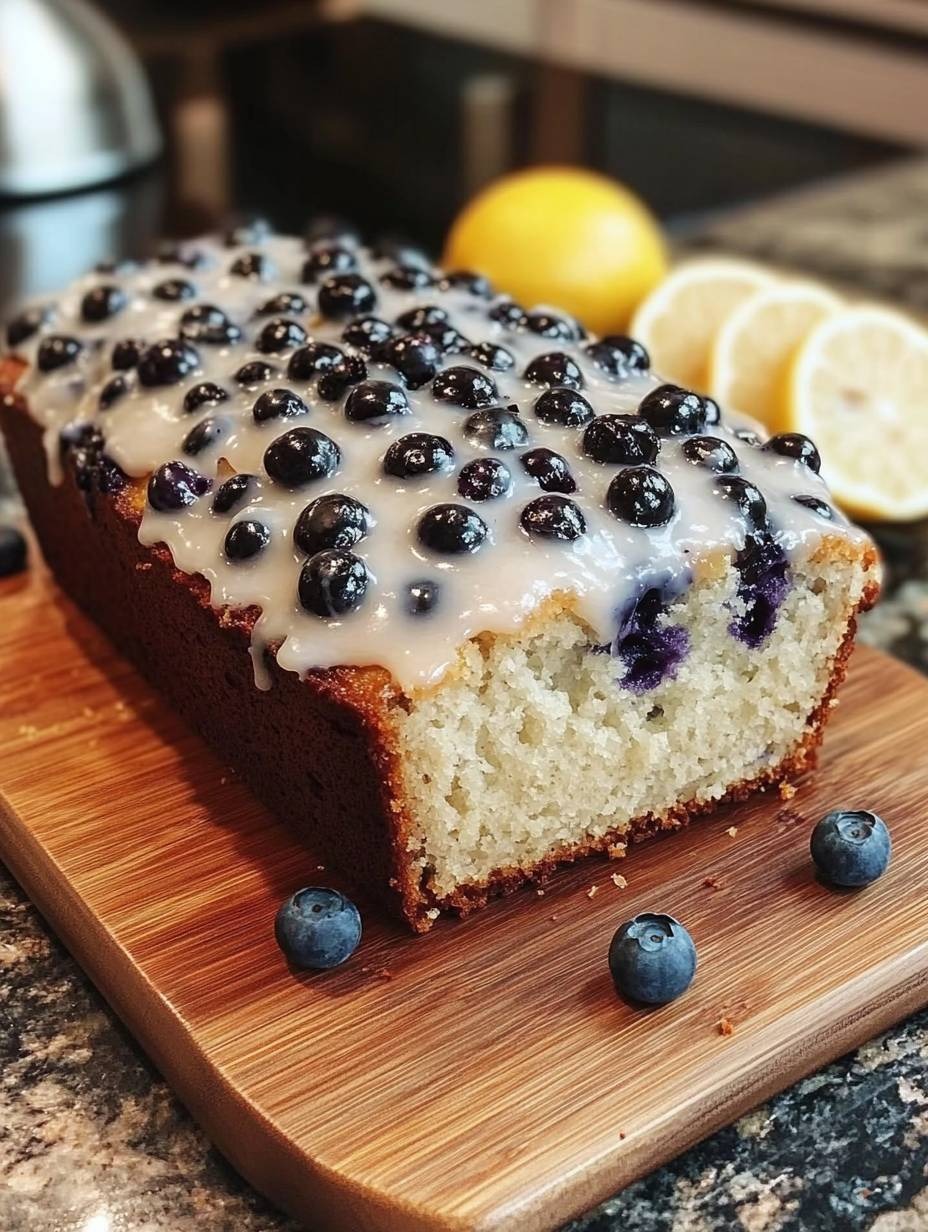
(619, 881)
(223, 780)
(554, 919)
(787, 791)
(320, 868)
(592, 891)
(621, 1135)
(143, 565)
(617, 851)
(712, 882)
(540, 892)
(433, 913)
(732, 831)
(87, 712)
(726, 1027)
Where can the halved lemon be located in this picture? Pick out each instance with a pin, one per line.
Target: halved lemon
(680, 318)
(858, 386)
(756, 342)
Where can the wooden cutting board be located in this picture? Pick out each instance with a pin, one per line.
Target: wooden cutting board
(484, 1076)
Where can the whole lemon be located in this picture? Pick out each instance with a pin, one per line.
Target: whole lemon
(564, 237)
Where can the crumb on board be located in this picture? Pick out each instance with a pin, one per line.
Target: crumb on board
(320, 868)
(712, 882)
(433, 913)
(617, 851)
(726, 1027)
(621, 1135)
(554, 919)
(619, 881)
(539, 891)
(143, 565)
(732, 831)
(88, 712)
(592, 891)
(787, 791)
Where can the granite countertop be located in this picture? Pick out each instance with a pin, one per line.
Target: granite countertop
(91, 1140)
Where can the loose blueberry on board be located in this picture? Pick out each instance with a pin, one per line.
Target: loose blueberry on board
(368, 334)
(497, 358)
(167, 362)
(553, 517)
(246, 539)
(508, 313)
(376, 403)
(747, 496)
(204, 393)
(56, 351)
(282, 304)
(12, 551)
(333, 583)
(422, 596)
(301, 456)
(173, 290)
(496, 429)
(204, 435)
(642, 496)
(313, 359)
(254, 373)
(484, 479)
(625, 440)
(350, 370)
(331, 521)
(672, 411)
(210, 325)
(712, 453)
(232, 492)
(822, 508)
(550, 325)
(851, 848)
(281, 334)
(465, 387)
(115, 388)
(254, 265)
(796, 445)
(278, 404)
(652, 959)
(27, 323)
(618, 356)
(101, 303)
(467, 280)
(317, 928)
(554, 368)
(564, 406)
(549, 469)
(418, 453)
(452, 529)
(174, 486)
(346, 295)
(414, 356)
(407, 278)
(125, 354)
(328, 259)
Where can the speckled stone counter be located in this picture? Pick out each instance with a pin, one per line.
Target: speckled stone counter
(92, 1141)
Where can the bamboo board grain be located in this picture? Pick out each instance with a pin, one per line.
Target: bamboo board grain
(484, 1076)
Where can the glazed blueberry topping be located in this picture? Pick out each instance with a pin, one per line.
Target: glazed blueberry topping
(174, 485)
(822, 508)
(419, 453)
(623, 439)
(561, 405)
(414, 356)
(317, 928)
(642, 496)
(710, 452)
(713, 411)
(748, 436)
(208, 324)
(247, 230)
(746, 496)
(311, 360)
(251, 265)
(27, 323)
(451, 529)
(496, 429)
(796, 445)
(422, 596)
(346, 295)
(167, 362)
(333, 582)
(672, 411)
(466, 387)
(174, 289)
(484, 479)
(851, 848)
(508, 313)
(286, 301)
(12, 551)
(415, 320)
(57, 350)
(618, 356)
(553, 517)
(652, 959)
(550, 325)
(232, 492)
(649, 647)
(376, 403)
(467, 280)
(448, 340)
(126, 354)
(206, 393)
(280, 334)
(246, 539)
(326, 259)
(330, 227)
(332, 521)
(101, 303)
(368, 334)
(301, 456)
(492, 356)
(205, 434)
(278, 404)
(554, 368)
(350, 370)
(178, 254)
(549, 469)
(407, 278)
(114, 389)
(255, 372)
(93, 470)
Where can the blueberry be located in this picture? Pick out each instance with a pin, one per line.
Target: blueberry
(414, 356)
(301, 456)
(550, 470)
(247, 229)
(420, 318)
(174, 485)
(333, 582)
(179, 254)
(448, 339)
(278, 404)
(318, 928)
(642, 496)
(232, 492)
(251, 265)
(280, 334)
(346, 295)
(822, 508)
(554, 368)
(564, 406)
(208, 324)
(173, 290)
(167, 362)
(652, 959)
(407, 278)
(492, 356)
(712, 453)
(484, 479)
(618, 356)
(57, 350)
(27, 323)
(553, 517)
(125, 354)
(763, 584)
(101, 303)
(332, 521)
(422, 596)
(282, 304)
(496, 429)
(205, 434)
(466, 387)
(254, 373)
(368, 334)
(796, 445)
(326, 259)
(115, 388)
(508, 313)
(376, 403)
(746, 496)
(314, 358)
(419, 453)
(713, 411)
(748, 436)
(330, 227)
(550, 325)
(452, 529)
(672, 411)
(350, 370)
(205, 393)
(246, 539)
(12, 551)
(467, 280)
(851, 848)
(623, 439)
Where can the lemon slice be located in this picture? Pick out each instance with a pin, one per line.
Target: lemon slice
(756, 342)
(858, 386)
(680, 318)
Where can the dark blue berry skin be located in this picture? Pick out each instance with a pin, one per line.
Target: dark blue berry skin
(333, 583)
(101, 303)
(549, 325)
(652, 959)
(465, 387)
(414, 356)
(713, 411)
(278, 404)
(208, 324)
(246, 539)
(625, 440)
(115, 388)
(253, 265)
(554, 368)
(492, 356)
(418, 453)
(641, 496)
(420, 318)
(313, 359)
(712, 453)
(496, 429)
(407, 278)
(422, 596)
(317, 928)
(672, 411)
(350, 370)
(564, 406)
(254, 373)
(282, 304)
(125, 354)
(746, 496)
(205, 393)
(205, 434)
(467, 280)
(822, 508)
(367, 334)
(56, 351)
(796, 445)
(851, 848)
(484, 479)
(618, 356)
(549, 469)
(232, 492)
(332, 521)
(173, 290)
(174, 486)
(508, 313)
(376, 403)
(452, 529)
(301, 456)
(12, 551)
(346, 295)
(27, 323)
(553, 517)
(748, 436)
(327, 259)
(650, 649)
(279, 335)
(763, 584)
(167, 362)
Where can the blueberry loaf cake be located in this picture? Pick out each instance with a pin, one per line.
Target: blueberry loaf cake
(459, 590)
